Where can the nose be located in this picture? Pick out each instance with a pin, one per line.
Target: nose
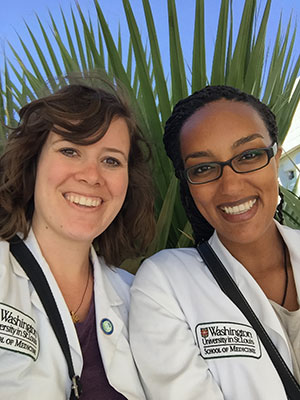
(90, 173)
(230, 182)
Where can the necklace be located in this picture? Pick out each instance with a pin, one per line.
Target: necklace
(286, 276)
(74, 315)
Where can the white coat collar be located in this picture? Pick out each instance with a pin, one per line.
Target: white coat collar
(112, 303)
(252, 291)
(109, 306)
(291, 238)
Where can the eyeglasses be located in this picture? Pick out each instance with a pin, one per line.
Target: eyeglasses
(248, 161)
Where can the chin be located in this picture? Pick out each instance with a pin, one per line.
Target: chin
(86, 236)
(241, 237)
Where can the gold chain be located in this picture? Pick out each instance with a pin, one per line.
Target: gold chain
(74, 315)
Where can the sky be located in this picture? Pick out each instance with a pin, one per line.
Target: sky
(15, 12)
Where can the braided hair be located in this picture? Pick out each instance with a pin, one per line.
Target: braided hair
(182, 111)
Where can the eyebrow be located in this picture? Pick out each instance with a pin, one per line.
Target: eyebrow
(236, 144)
(114, 150)
(246, 139)
(197, 154)
(109, 149)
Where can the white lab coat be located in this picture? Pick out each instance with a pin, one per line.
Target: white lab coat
(191, 342)
(40, 371)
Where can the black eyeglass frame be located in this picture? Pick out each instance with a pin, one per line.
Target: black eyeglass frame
(271, 152)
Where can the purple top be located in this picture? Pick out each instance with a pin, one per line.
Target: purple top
(93, 377)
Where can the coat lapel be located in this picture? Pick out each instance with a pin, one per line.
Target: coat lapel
(292, 240)
(111, 324)
(255, 297)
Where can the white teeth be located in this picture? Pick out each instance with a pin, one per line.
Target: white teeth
(240, 209)
(83, 201)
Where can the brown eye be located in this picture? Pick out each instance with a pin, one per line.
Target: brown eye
(251, 155)
(111, 161)
(202, 169)
(68, 151)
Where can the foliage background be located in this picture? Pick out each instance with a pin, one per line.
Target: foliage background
(239, 58)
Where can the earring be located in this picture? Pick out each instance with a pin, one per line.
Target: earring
(279, 209)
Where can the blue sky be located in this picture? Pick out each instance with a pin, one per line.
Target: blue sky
(14, 12)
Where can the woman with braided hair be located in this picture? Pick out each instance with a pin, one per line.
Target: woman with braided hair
(189, 340)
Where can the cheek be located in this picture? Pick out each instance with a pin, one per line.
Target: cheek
(41, 181)
(200, 193)
(203, 199)
(48, 177)
(44, 180)
(274, 192)
(119, 186)
(271, 180)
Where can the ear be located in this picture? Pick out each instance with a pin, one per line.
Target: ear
(278, 155)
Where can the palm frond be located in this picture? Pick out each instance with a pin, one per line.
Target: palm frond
(243, 61)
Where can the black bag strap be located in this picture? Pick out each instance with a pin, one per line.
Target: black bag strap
(230, 288)
(27, 261)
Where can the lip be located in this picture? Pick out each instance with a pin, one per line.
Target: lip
(240, 210)
(83, 200)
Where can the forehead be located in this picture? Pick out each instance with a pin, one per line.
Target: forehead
(223, 121)
(85, 131)
(117, 136)
(214, 114)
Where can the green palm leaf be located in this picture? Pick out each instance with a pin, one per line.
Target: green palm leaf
(218, 68)
(242, 50)
(179, 82)
(160, 81)
(242, 62)
(199, 78)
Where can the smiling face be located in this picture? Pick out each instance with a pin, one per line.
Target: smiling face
(239, 206)
(79, 189)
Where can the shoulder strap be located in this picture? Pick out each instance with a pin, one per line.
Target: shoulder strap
(230, 288)
(27, 261)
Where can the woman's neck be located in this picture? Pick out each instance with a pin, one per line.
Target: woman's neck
(259, 256)
(268, 261)
(71, 267)
(65, 257)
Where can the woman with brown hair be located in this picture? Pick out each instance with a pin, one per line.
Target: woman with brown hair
(76, 189)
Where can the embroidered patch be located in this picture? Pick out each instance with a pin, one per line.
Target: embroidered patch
(18, 332)
(227, 339)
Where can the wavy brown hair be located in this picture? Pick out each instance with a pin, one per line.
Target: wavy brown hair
(82, 115)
